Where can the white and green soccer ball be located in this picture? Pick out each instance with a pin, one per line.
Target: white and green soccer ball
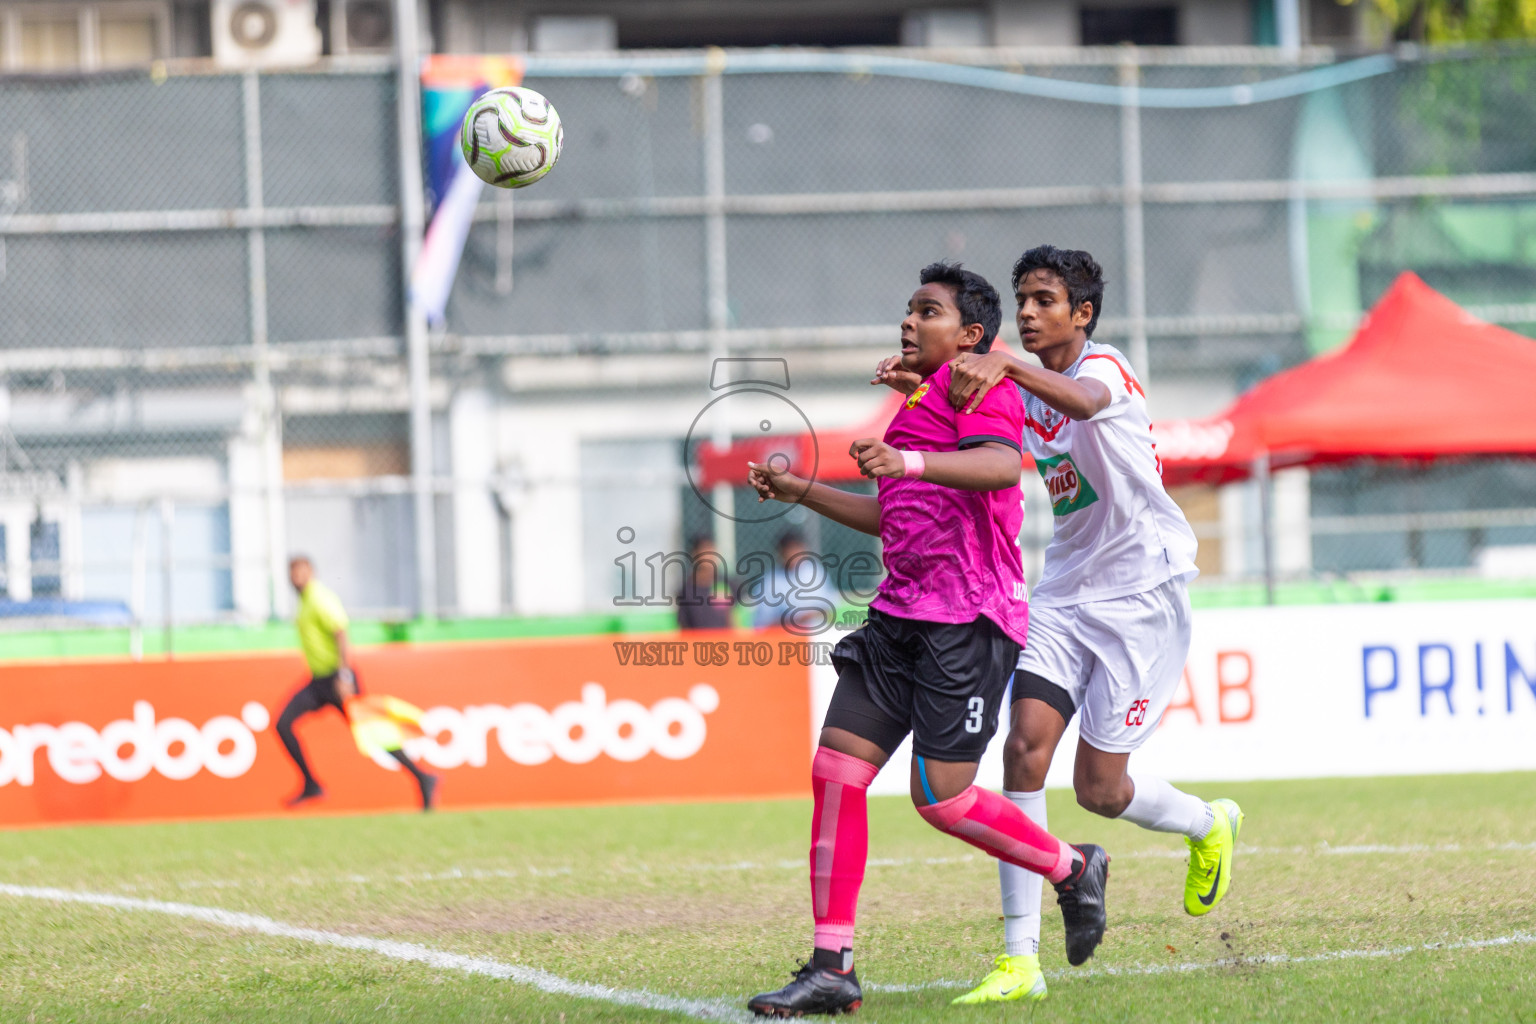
(511, 137)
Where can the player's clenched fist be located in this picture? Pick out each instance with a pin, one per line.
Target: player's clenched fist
(877, 459)
(972, 376)
(772, 482)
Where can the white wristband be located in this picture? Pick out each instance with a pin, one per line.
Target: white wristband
(912, 463)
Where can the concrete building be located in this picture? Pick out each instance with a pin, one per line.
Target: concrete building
(545, 460)
(471, 25)
(61, 35)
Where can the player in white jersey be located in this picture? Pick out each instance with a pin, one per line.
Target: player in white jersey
(1109, 618)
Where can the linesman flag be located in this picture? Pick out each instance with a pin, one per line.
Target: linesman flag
(381, 724)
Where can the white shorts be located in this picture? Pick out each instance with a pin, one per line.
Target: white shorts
(1119, 660)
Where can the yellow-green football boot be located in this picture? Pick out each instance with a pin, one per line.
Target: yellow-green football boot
(1012, 978)
(1210, 859)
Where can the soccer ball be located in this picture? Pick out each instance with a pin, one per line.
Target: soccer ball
(511, 137)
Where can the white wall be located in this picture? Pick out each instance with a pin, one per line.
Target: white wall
(946, 27)
(543, 499)
(1215, 23)
(16, 518)
(1034, 23)
(476, 526)
(487, 26)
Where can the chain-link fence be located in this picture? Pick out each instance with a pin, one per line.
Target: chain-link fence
(202, 335)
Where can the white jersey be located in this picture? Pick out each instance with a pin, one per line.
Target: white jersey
(1117, 531)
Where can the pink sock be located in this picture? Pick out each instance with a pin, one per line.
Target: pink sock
(839, 843)
(992, 823)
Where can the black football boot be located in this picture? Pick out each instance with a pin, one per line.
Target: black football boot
(1081, 898)
(815, 989)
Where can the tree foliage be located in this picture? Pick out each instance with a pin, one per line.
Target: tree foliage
(1460, 21)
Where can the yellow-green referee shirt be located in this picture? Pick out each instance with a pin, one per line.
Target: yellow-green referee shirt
(320, 616)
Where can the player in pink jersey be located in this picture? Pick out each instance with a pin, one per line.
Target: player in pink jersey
(936, 653)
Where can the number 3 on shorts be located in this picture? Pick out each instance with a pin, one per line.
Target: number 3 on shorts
(976, 707)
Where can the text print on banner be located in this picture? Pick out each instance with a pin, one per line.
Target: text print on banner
(1366, 689)
(511, 723)
(1281, 693)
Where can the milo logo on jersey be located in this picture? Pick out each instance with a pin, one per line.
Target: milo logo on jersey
(1069, 491)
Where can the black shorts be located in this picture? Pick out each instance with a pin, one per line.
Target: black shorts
(319, 692)
(942, 682)
(1028, 684)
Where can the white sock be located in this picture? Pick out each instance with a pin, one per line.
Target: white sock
(1158, 806)
(1021, 888)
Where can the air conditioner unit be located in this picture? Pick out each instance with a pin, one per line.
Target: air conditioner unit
(362, 26)
(264, 33)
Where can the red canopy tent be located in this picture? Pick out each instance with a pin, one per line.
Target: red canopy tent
(1421, 379)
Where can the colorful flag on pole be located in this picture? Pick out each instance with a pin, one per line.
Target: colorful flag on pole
(449, 84)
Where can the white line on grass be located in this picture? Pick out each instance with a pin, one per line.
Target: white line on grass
(702, 1009)
(482, 874)
(1265, 960)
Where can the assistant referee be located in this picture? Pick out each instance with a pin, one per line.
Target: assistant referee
(322, 624)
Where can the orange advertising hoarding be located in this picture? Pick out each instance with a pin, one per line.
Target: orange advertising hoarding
(508, 723)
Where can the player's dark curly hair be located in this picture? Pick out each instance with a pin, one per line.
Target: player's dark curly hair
(1080, 272)
(974, 297)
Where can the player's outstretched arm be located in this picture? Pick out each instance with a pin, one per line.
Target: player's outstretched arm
(858, 511)
(972, 376)
(990, 466)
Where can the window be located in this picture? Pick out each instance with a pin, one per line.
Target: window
(1142, 26)
(945, 27)
(1329, 21)
(45, 554)
(559, 33)
(49, 41)
(83, 37)
(746, 29)
(126, 39)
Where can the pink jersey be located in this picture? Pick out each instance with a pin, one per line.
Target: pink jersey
(952, 555)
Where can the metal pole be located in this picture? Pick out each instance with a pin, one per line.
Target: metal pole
(714, 192)
(719, 312)
(1301, 263)
(1266, 524)
(167, 568)
(1288, 27)
(412, 222)
(138, 581)
(504, 241)
(1135, 228)
(261, 361)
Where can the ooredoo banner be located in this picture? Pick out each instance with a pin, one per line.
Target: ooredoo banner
(512, 723)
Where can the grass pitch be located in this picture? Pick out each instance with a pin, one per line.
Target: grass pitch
(1374, 899)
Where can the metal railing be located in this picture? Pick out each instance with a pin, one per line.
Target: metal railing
(280, 359)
